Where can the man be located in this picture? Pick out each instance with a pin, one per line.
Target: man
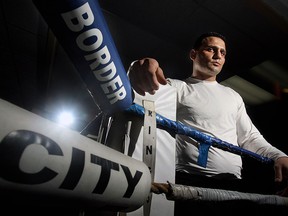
(211, 108)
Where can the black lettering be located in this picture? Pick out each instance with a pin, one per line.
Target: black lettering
(150, 113)
(106, 166)
(11, 149)
(75, 170)
(148, 149)
(132, 182)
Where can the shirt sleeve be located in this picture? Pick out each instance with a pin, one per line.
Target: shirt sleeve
(250, 138)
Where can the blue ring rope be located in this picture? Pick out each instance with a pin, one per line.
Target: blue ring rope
(182, 129)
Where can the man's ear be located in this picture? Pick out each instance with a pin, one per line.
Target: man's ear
(192, 54)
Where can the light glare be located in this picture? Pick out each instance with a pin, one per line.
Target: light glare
(66, 118)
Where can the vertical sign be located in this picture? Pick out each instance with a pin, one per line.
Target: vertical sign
(149, 145)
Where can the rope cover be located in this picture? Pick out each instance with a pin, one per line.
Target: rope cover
(191, 193)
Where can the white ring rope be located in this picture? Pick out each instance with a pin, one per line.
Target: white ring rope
(191, 193)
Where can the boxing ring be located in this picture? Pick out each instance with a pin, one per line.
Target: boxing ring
(42, 158)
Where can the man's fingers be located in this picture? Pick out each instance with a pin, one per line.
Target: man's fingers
(160, 76)
(139, 91)
(146, 76)
(278, 174)
(155, 75)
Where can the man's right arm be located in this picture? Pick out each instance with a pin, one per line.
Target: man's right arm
(146, 75)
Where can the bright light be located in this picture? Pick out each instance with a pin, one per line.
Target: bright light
(65, 118)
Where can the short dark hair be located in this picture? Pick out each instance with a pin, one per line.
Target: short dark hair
(199, 40)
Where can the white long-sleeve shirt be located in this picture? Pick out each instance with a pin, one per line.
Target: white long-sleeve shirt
(218, 111)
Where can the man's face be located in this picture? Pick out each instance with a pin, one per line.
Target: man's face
(209, 58)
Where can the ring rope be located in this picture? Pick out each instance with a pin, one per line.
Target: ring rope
(182, 129)
(191, 193)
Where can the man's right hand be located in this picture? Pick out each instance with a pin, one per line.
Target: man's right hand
(146, 76)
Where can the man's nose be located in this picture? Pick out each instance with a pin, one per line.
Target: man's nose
(218, 54)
